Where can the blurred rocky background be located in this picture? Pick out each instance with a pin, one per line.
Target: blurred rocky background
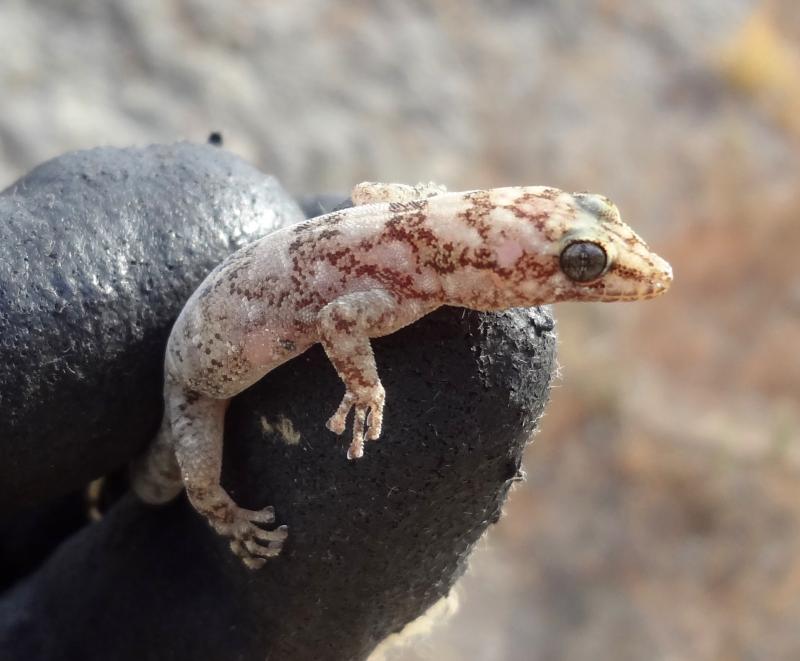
(661, 515)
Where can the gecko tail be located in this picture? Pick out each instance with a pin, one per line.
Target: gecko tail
(155, 476)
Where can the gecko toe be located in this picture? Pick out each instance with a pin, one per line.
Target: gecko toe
(355, 452)
(265, 515)
(261, 551)
(338, 421)
(254, 554)
(251, 561)
(375, 419)
(278, 535)
(374, 431)
(336, 425)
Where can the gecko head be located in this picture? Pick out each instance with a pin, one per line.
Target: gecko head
(575, 247)
(600, 258)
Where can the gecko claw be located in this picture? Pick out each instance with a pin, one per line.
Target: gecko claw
(249, 541)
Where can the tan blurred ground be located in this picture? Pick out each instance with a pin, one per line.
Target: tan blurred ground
(661, 516)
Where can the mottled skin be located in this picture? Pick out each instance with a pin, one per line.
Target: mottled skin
(365, 272)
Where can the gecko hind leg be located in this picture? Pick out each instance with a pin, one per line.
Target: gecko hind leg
(197, 423)
(373, 192)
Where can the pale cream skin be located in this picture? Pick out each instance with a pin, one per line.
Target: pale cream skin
(364, 272)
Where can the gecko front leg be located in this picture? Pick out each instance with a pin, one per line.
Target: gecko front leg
(345, 327)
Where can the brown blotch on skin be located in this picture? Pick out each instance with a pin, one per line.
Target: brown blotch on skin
(443, 264)
(354, 374)
(476, 216)
(332, 218)
(344, 325)
(549, 193)
(281, 296)
(262, 292)
(614, 228)
(536, 267)
(410, 231)
(538, 218)
(329, 233)
(484, 258)
(303, 327)
(627, 272)
(370, 270)
(343, 259)
(311, 299)
(401, 284)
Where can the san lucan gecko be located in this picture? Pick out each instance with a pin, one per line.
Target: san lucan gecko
(363, 272)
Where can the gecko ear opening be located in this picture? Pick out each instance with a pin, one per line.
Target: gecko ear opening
(583, 261)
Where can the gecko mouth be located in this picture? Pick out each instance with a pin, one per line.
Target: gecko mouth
(659, 283)
(630, 287)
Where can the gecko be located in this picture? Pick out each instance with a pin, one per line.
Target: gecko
(363, 272)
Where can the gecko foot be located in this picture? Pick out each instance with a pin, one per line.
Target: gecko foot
(368, 417)
(249, 541)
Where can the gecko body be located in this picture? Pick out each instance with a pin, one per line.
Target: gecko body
(359, 273)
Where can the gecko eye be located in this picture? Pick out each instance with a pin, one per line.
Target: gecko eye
(583, 261)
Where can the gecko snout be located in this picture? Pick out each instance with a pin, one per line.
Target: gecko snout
(660, 277)
(664, 272)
